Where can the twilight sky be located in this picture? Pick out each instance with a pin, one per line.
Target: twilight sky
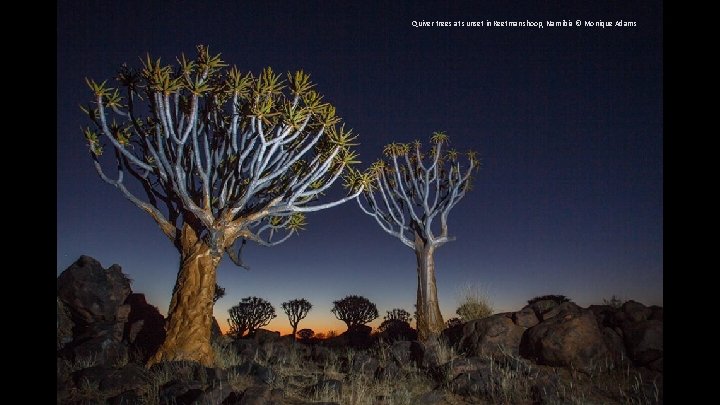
(567, 120)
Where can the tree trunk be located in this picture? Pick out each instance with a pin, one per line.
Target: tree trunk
(189, 322)
(294, 327)
(429, 319)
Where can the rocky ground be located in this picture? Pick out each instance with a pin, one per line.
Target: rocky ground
(545, 353)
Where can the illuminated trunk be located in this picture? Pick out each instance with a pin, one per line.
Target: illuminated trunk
(189, 322)
(429, 319)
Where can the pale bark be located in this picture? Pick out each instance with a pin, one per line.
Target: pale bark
(189, 322)
(429, 320)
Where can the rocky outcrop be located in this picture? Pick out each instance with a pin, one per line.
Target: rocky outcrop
(525, 317)
(493, 335)
(64, 325)
(145, 328)
(95, 298)
(644, 342)
(570, 338)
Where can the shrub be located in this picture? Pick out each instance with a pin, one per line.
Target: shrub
(559, 299)
(614, 302)
(473, 304)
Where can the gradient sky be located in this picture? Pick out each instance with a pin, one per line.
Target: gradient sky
(567, 120)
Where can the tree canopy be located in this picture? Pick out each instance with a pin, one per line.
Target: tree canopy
(354, 310)
(230, 154)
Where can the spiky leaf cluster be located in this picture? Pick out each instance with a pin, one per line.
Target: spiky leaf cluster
(228, 153)
(409, 188)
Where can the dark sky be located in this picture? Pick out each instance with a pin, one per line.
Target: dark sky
(567, 120)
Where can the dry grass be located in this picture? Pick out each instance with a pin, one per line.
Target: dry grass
(473, 303)
(508, 380)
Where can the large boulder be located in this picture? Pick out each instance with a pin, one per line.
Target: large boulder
(636, 312)
(644, 342)
(493, 335)
(525, 317)
(145, 328)
(95, 297)
(64, 325)
(571, 338)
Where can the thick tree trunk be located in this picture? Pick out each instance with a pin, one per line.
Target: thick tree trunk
(429, 321)
(189, 322)
(294, 327)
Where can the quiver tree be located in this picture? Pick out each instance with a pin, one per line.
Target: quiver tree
(222, 157)
(408, 193)
(296, 310)
(354, 310)
(249, 315)
(396, 325)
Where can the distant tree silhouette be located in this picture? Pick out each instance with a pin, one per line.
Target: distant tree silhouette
(398, 314)
(305, 334)
(222, 157)
(405, 193)
(559, 299)
(250, 314)
(296, 310)
(219, 293)
(396, 325)
(354, 310)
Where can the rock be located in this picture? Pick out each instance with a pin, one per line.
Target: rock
(636, 312)
(525, 317)
(644, 342)
(614, 343)
(145, 328)
(423, 355)
(189, 397)
(172, 390)
(604, 314)
(256, 395)
(215, 394)
(95, 298)
(453, 334)
(262, 374)
(64, 325)
(493, 335)
(451, 370)
(567, 340)
(125, 398)
(657, 313)
(325, 389)
(474, 383)
(543, 306)
(130, 377)
(564, 309)
(93, 293)
(364, 364)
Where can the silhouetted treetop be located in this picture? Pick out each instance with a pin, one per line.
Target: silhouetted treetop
(354, 310)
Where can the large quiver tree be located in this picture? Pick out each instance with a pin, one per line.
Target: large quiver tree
(221, 157)
(406, 193)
